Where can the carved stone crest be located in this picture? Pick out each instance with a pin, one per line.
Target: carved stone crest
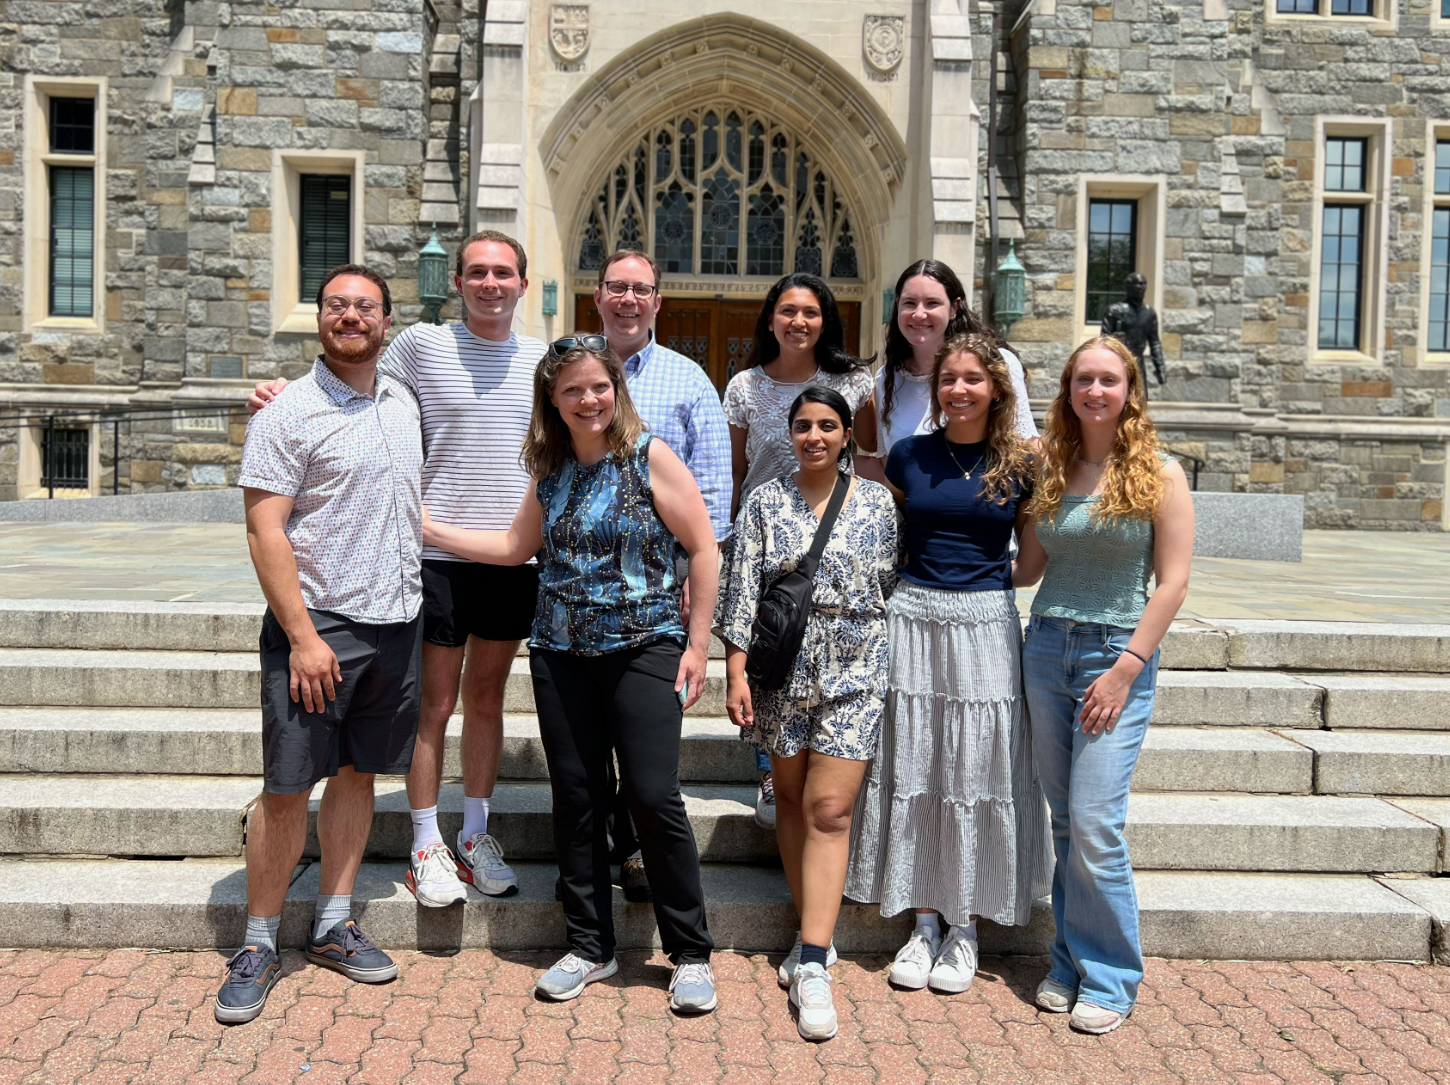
(569, 30)
(883, 38)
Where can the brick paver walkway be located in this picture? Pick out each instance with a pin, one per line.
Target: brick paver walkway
(144, 1016)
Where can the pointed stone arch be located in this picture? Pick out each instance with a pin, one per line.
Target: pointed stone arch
(727, 56)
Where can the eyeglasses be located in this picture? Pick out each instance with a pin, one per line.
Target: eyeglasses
(617, 288)
(588, 342)
(366, 307)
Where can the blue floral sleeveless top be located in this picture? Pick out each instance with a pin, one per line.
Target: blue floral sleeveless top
(607, 573)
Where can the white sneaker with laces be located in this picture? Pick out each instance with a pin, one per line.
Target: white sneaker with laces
(571, 974)
(433, 877)
(480, 863)
(1095, 1019)
(810, 994)
(765, 803)
(956, 965)
(912, 966)
(1055, 997)
(786, 972)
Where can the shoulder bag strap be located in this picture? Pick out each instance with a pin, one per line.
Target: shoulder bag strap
(807, 567)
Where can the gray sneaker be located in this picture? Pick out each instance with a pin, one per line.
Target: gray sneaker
(765, 803)
(571, 975)
(692, 988)
(786, 972)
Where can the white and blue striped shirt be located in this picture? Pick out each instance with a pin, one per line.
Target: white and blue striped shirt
(680, 406)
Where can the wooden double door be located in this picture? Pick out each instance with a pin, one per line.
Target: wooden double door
(714, 332)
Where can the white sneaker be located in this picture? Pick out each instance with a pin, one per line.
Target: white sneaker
(765, 803)
(810, 994)
(1094, 1019)
(786, 972)
(480, 863)
(571, 974)
(1055, 997)
(957, 964)
(433, 877)
(912, 966)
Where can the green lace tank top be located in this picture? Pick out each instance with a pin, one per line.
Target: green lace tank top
(1097, 571)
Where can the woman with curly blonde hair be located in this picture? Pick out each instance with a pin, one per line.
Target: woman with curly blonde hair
(1110, 510)
(950, 823)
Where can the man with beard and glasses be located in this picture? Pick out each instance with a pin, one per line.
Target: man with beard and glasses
(331, 479)
(475, 390)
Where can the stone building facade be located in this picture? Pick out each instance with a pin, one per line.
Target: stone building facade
(236, 144)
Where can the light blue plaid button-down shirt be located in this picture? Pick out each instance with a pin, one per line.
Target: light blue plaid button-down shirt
(681, 407)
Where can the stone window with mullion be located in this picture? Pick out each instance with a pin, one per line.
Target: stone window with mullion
(1437, 329)
(70, 169)
(1344, 250)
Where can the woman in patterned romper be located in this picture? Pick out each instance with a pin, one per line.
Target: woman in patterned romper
(820, 729)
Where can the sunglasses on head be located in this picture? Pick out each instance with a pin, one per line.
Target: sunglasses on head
(560, 347)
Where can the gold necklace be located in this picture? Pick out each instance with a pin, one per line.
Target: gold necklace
(966, 474)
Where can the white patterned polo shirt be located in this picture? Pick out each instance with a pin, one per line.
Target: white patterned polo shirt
(352, 464)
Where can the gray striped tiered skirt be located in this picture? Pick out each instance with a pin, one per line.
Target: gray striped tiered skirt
(951, 816)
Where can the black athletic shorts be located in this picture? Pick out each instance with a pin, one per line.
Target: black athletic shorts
(468, 598)
(371, 724)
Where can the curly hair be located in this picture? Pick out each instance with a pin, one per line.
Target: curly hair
(548, 446)
(1132, 483)
(1009, 460)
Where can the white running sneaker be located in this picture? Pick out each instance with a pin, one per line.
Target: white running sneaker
(912, 966)
(1094, 1019)
(571, 974)
(956, 965)
(1055, 997)
(433, 878)
(480, 863)
(810, 994)
(786, 972)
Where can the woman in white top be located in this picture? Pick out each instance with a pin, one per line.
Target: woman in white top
(799, 341)
(931, 306)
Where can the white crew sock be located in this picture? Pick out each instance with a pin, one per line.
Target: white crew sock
(968, 929)
(929, 922)
(329, 912)
(475, 818)
(425, 827)
(262, 931)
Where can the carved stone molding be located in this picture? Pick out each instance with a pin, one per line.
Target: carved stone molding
(883, 39)
(569, 31)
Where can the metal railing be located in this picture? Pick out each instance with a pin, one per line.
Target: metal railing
(1190, 458)
(65, 460)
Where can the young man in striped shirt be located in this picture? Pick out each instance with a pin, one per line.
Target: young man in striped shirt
(474, 383)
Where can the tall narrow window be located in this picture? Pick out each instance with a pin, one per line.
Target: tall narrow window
(1112, 253)
(324, 228)
(1341, 261)
(1438, 332)
(72, 208)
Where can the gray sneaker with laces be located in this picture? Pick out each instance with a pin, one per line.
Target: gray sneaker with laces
(571, 975)
(692, 988)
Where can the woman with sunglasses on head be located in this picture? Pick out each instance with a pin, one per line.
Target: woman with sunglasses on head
(930, 308)
(612, 665)
(799, 343)
(1111, 510)
(951, 824)
(820, 727)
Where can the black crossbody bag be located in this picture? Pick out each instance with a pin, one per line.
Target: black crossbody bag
(780, 619)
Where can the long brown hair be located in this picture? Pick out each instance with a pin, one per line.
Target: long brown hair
(1132, 478)
(1009, 462)
(548, 445)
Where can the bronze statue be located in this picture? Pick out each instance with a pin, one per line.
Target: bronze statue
(1135, 324)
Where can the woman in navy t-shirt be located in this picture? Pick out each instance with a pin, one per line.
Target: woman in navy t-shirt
(950, 822)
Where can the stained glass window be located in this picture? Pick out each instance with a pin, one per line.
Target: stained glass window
(721, 190)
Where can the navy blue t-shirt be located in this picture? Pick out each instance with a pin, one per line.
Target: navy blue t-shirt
(956, 539)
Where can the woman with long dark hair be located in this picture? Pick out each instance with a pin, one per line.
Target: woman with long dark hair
(951, 824)
(612, 664)
(820, 729)
(799, 341)
(930, 308)
(1111, 511)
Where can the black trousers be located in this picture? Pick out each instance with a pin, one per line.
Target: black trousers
(622, 702)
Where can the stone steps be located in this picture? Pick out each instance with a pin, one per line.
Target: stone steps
(228, 742)
(1190, 644)
(201, 903)
(197, 816)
